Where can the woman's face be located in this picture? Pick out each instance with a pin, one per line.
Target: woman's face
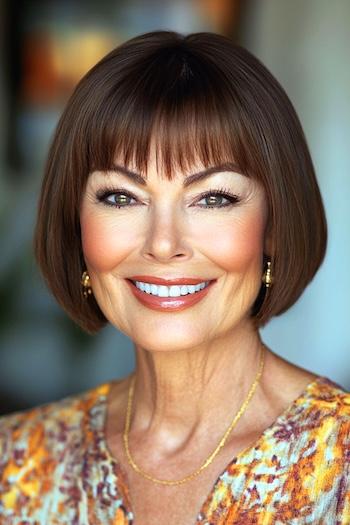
(170, 230)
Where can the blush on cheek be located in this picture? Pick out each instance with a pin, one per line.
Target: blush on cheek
(238, 245)
(104, 247)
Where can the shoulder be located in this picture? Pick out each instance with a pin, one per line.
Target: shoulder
(321, 413)
(315, 432)
(319, 453)
(38, 444)
(51, 420)
(327, 396)
(301, 466)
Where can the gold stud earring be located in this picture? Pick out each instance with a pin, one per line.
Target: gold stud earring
(85, 281)
(267, 277)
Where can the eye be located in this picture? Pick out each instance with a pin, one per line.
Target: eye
(215, 198)
(120, 198)
(115, 197)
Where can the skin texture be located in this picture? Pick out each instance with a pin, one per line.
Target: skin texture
(194, 366)
(166, 234)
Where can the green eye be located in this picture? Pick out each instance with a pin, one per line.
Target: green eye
(214, 196)
(115, 198)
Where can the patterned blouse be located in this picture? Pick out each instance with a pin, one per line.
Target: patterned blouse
(56, 468)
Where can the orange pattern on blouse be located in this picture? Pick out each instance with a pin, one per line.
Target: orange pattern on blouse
(56, 468)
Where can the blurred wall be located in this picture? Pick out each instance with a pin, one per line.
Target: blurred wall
(306, 46)
(43, 355)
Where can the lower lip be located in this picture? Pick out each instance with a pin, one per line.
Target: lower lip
(169, 304)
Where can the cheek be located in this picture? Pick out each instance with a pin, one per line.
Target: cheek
(104, 246)
(238, 245)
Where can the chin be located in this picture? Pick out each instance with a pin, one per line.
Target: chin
(167, 342)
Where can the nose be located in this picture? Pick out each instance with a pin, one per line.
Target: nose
(166, 237)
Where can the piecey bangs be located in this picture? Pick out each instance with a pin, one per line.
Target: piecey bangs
(183, 112)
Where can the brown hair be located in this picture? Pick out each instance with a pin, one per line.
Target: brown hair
(203, 98)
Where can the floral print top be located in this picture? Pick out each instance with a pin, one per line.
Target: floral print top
(56, 468)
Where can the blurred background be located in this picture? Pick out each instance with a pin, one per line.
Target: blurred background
(46, 46)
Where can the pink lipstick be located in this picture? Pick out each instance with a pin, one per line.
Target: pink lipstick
(169, 304)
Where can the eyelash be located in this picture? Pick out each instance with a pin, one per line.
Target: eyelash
(222, 192)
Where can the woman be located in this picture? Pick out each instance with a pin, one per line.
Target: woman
(180, 204)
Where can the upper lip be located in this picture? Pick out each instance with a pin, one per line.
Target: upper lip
(167, 282)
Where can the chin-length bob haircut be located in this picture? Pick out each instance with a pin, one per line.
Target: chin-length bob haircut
(201, 98)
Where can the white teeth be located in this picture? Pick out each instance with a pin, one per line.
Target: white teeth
(163, 291)
(170, 291)
(174, 291)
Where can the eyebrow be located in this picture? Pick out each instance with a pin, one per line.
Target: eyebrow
(189, 179)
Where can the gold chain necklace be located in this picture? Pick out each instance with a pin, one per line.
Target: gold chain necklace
(209, 460)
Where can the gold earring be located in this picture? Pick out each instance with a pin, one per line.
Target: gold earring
(85, 281)
(267, 278)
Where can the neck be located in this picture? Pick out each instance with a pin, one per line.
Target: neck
(177, 393)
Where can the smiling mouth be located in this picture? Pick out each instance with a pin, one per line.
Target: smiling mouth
(174, 290)
(170, 298)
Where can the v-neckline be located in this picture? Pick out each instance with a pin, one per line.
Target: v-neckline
(102, 402)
